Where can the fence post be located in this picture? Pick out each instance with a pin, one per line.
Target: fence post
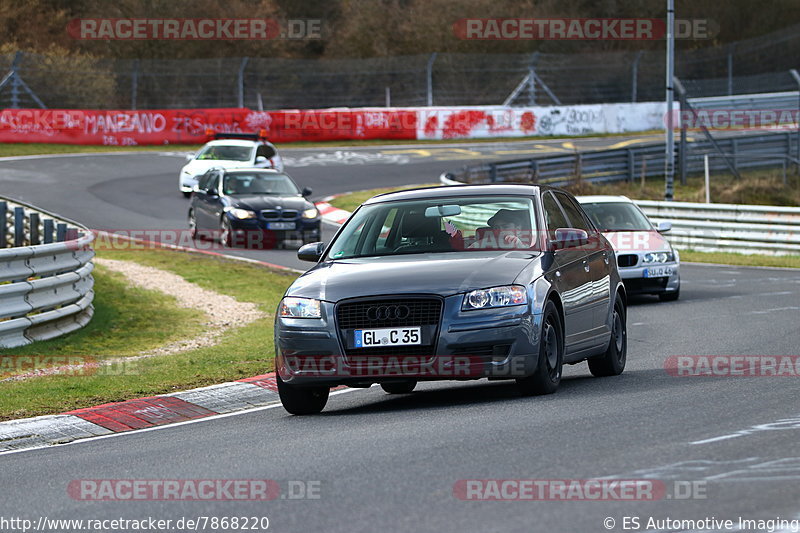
(49, 225)
(242, 66)
(734, 147)
(19, 226)
(731, 48)
(134, 83)
(635, 76)
(15, 80)
(532, 79)
(33, 221)
(429, 78)
(630, 165)
(534, 171)
(492, 173)
(796, 77)
(3, 224)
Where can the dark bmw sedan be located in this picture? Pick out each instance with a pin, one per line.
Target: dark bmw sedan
(443, 283)
(252, 207)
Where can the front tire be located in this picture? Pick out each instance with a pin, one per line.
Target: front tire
(399, 387)
(302, 400)
(612, 363)
(225, 233)
(186, 194)
(551, 357)
(192, 224)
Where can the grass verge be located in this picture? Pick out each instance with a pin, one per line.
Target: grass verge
(128, 320)
(727, 258)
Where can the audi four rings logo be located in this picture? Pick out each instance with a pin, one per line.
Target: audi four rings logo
(388, 312)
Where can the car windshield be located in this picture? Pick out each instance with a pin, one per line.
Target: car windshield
(617, 216)
(438, 225)
(258, 183)
(223, 152)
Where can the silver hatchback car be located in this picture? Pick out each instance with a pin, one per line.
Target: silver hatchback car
(648, 264)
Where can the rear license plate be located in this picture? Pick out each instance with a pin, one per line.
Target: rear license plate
(365, 338)
(280, 225)
(657, 272)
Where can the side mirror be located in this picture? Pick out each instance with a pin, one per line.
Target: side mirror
(306, 191)
(570, 238)
(261, 160)
(212, 192)
(311, 252)
(664, 227)
(189, 157)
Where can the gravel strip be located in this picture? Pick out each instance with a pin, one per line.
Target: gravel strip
(223, 312)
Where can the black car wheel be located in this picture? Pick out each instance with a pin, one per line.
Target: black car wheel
(225, 233)
(302, 400)
(399, 387)
(192, 224)
(186, 194)
(551, 357)
(612, 363)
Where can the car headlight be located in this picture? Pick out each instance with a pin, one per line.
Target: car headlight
(299, 308)
(495, 297)
(310, 213)
(658, 257)
(240, 213)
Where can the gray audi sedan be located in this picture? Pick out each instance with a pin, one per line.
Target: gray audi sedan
(452, 283)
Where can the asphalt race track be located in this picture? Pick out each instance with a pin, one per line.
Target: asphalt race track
(390, 463)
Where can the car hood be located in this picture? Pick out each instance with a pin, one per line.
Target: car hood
(257, 202)
(199, 166)
(443, 274)
(637, 241)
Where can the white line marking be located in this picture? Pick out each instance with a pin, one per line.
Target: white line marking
(154, 428)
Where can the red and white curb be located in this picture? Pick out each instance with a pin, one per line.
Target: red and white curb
(141, 413)
(330, 214)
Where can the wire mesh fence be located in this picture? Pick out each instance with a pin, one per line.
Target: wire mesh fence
(749, 66)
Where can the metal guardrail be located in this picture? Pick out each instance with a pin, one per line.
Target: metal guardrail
(729, 227)
(632, 163)
(768, 101)
(45, 276)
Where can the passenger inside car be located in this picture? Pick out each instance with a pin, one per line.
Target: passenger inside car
(505, 231)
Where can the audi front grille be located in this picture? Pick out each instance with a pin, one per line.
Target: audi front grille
(390, 313)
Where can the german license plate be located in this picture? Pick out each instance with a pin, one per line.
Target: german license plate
(657, 272)
(366, 338)
(280, 225)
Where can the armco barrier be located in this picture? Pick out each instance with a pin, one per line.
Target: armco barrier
(749, 229)
(729, 227)
(45, 277)
(633, 163)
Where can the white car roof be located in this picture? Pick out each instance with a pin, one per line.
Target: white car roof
(232, 142)
(602, 199)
